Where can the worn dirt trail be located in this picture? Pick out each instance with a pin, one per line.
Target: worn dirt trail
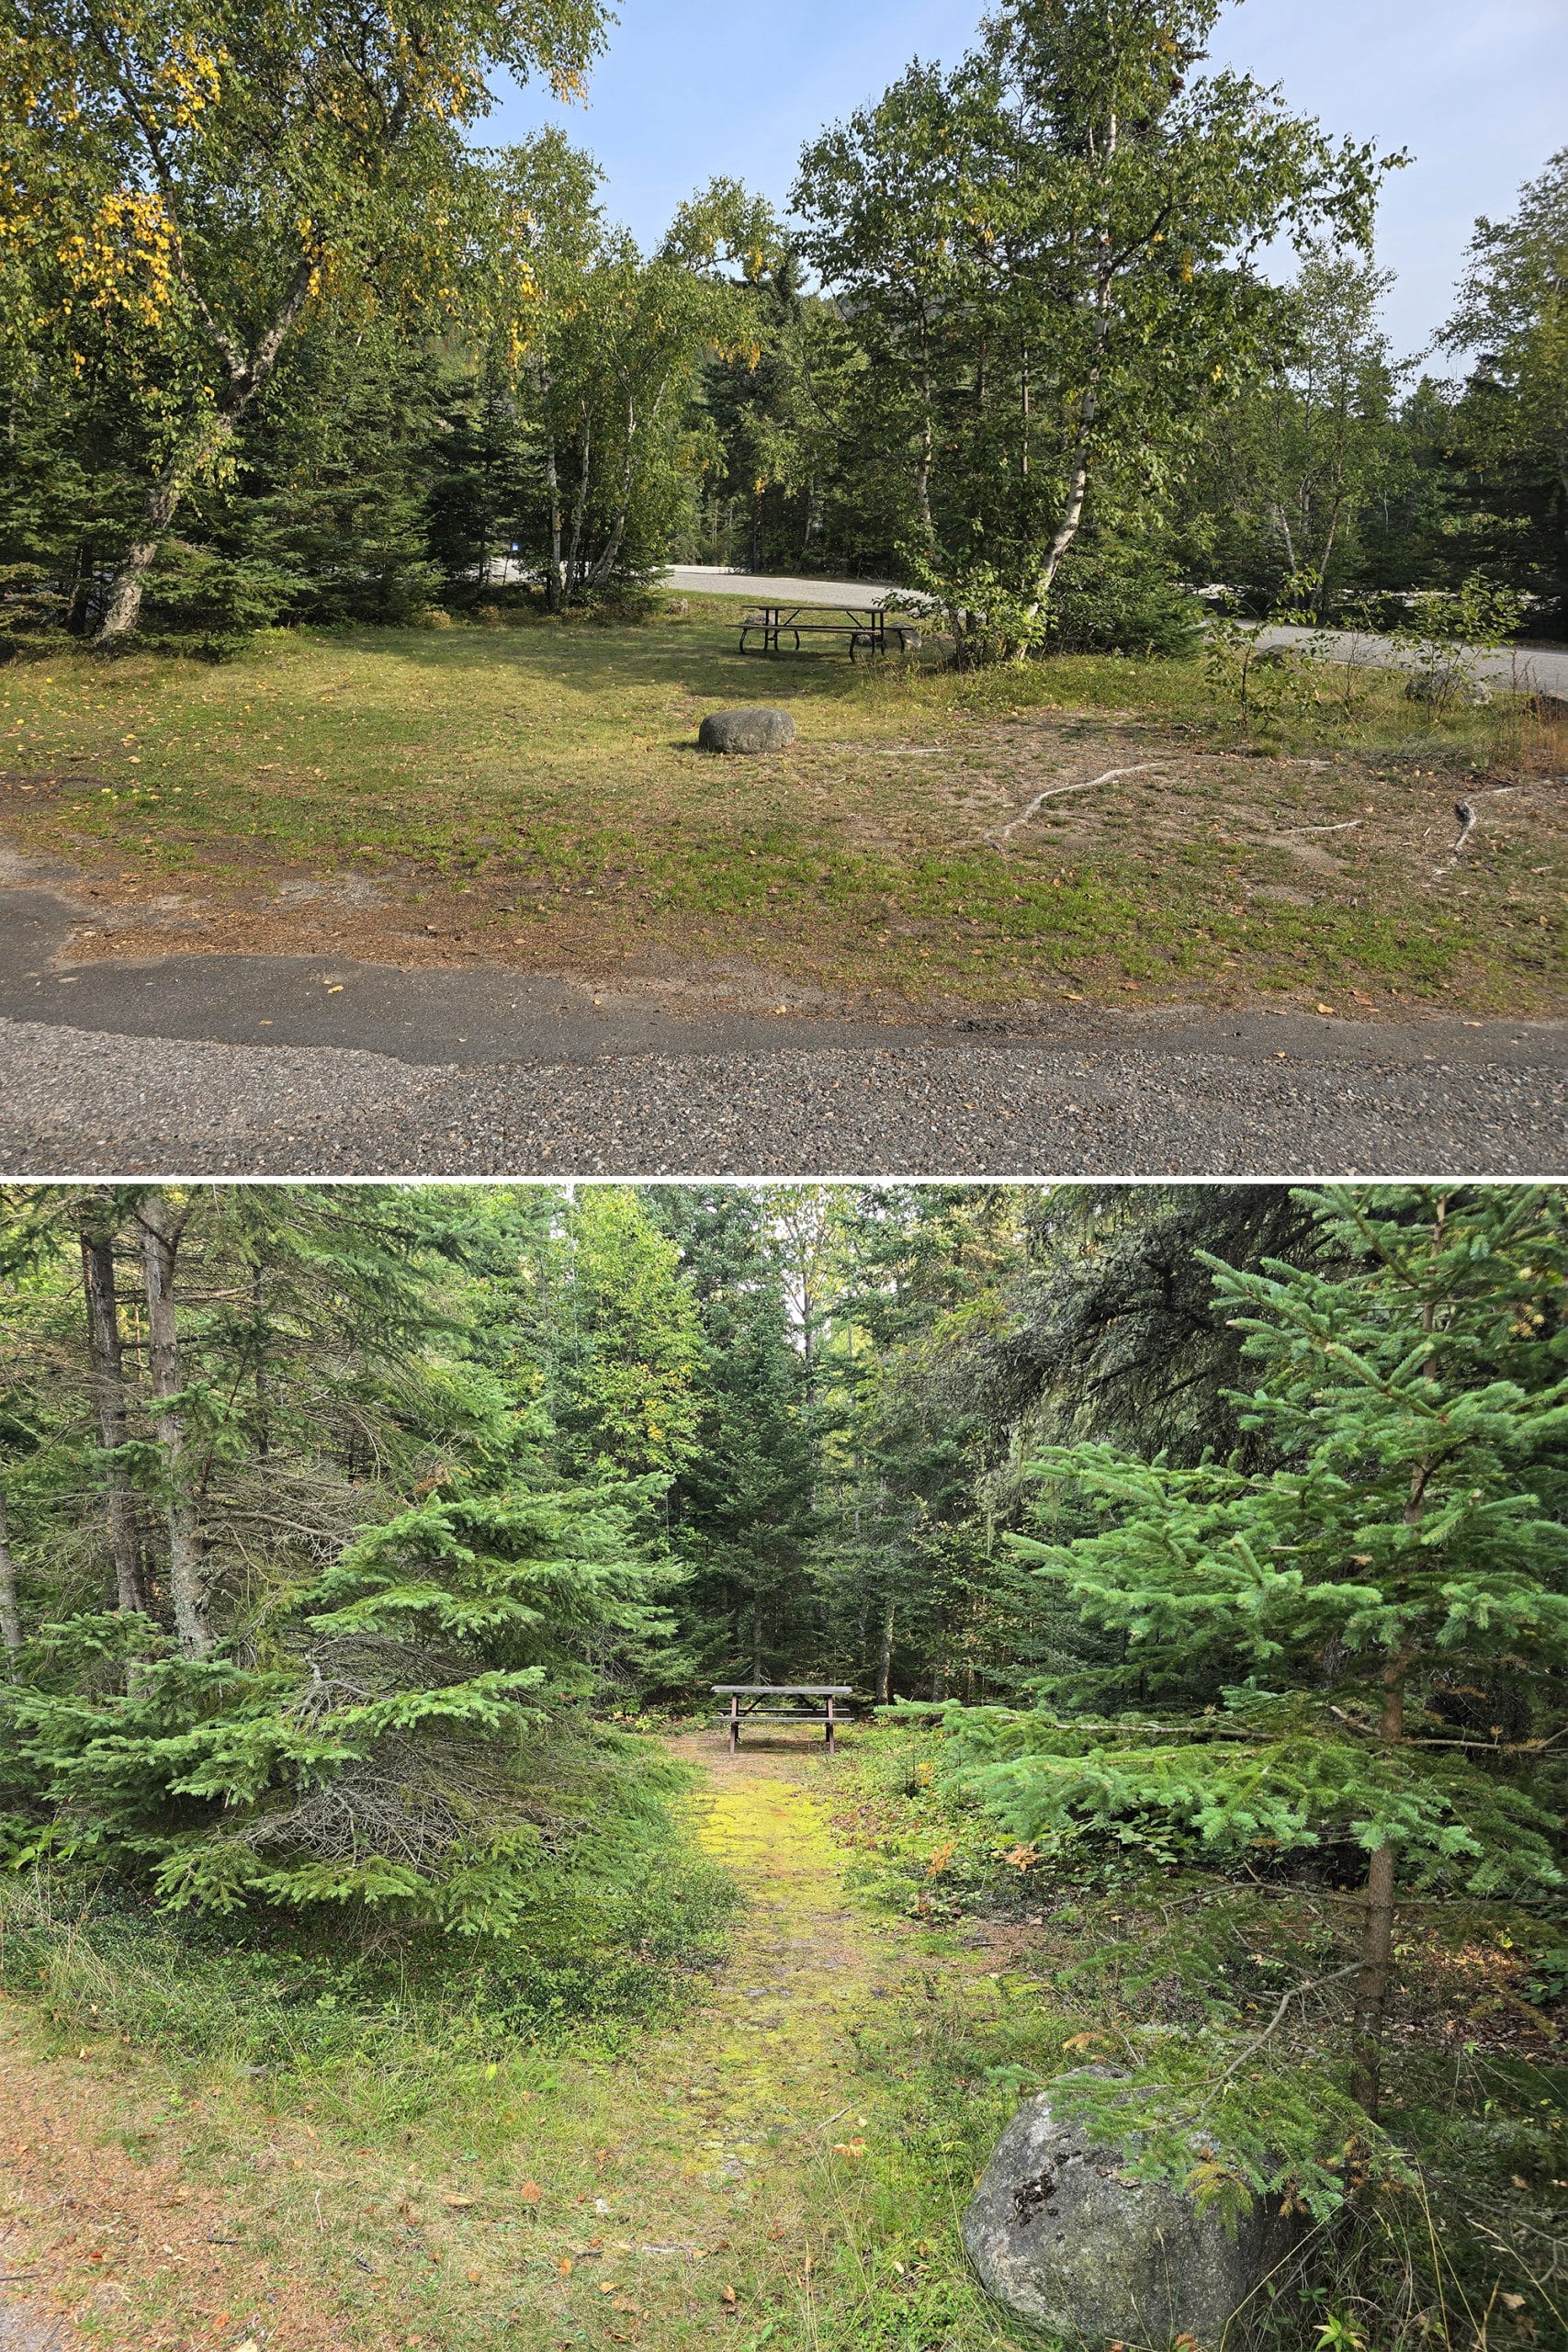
(719, 2170)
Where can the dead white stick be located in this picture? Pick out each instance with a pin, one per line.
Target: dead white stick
(1466, 816)
(1053, 792)
(1344, 825)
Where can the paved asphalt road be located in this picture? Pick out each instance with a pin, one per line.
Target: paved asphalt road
(1532, 669)
(713, 579)
(244, 1065)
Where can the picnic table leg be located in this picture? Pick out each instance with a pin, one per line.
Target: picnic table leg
(829, 1722)
(734, 1722)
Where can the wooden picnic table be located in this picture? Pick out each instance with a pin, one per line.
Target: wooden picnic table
(865, 625)
(757, 1709)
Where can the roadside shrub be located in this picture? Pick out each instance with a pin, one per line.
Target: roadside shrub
(1107, 602)
(625, 605)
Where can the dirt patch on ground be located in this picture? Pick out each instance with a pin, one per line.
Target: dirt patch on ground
(105, 2228)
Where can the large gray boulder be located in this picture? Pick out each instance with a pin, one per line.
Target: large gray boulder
(746, 730)
(1065, 2241)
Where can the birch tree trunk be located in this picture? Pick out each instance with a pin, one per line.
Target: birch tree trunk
(1067, 530)
(552, 482)
(162, 1224)
(108, 1388)
(928, 441)
(580, 503)
(201, 446)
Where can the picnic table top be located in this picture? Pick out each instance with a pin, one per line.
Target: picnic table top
(783, 1689)
(783, 605)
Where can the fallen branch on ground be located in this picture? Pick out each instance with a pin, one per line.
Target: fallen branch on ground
(1466, 816)
(1053, 791)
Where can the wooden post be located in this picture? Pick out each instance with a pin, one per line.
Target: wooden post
(734, 1722)
(829, 1722)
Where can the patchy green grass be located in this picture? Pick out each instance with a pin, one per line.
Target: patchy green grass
(741, 2172)
(533, 795)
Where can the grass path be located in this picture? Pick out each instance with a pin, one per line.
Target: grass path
(741, 2178)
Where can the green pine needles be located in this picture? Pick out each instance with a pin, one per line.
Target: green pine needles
(379, 1747)
(1336, 1663)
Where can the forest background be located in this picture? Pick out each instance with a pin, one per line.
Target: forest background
(277, 343)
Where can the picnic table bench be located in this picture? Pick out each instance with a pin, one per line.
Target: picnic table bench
(812, 1703)
(867, 628)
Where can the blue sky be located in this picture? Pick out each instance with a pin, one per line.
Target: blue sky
(1473, 89)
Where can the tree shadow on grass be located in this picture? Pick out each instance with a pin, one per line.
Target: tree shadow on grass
(583, 654)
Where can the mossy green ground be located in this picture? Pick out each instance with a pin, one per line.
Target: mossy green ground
(532, 795)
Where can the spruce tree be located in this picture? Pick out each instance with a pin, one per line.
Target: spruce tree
(373, 1597)
(375, 1742)
(1343, 1654)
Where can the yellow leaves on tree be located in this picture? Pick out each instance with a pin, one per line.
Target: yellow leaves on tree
(123, 259)
(188, 79)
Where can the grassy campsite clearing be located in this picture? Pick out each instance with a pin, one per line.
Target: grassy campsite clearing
(532, 796)
(741, 2174)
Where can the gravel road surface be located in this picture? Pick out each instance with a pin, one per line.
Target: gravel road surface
(87, 1102)
(242, 1065)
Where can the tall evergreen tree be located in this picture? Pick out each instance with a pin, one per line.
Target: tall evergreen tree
(1314, 1636)
(743, 1502)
